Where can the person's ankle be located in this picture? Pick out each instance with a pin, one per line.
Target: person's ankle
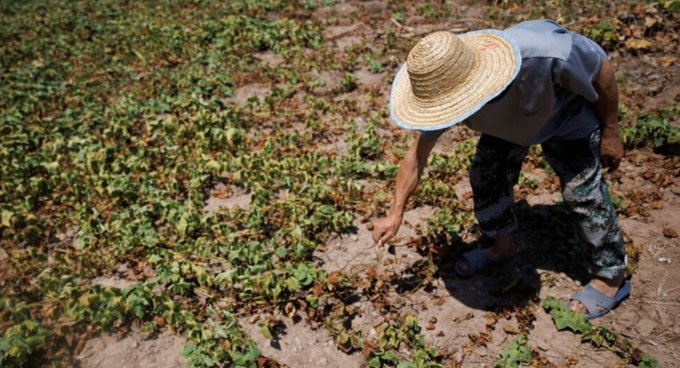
(614, 281)
(504, 243)
(503, 247)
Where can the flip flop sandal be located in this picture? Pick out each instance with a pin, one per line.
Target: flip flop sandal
(475, 258)
(593, 300)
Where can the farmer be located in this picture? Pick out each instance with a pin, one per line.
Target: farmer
(534, 83)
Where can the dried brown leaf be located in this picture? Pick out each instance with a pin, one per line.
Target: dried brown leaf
(638, 44)
(510, 329)
(670, 233)
(667, 61)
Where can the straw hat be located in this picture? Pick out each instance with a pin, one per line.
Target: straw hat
(447, 78)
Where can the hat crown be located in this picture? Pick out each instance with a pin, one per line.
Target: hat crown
(438, 64)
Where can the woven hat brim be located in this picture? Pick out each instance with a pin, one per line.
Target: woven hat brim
(498, 63)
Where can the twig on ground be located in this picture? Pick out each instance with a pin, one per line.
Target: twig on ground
(356, 256)
(662, 282)
(671, 339)
(596, 361)
(671, 290)
(457, 26)
(662, 303)
(399, 25)
(664, 349)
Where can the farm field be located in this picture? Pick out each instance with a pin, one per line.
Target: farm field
(193, 183)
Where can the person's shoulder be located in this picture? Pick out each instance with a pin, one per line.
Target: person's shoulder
(542, 38)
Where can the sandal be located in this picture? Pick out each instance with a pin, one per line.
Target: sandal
(475, 258)
(594, 300)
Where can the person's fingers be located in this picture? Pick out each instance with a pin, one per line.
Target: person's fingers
(614, 165)
(605, 161)
(378, 232)
(388, 234)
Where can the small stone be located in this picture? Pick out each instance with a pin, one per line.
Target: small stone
(482, 352)
(297, 341)
(458, 357)
(665, 260)
(374, 7)
(354, 238)
(675, 189)
(543, 345)
(270, 58)
(646, 326)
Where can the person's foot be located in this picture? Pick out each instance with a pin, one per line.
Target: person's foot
(608, 287)
(503, 248)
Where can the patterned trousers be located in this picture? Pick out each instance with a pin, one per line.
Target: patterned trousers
(495, 170)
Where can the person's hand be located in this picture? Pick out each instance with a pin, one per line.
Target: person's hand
(385, 228)
(611, 151)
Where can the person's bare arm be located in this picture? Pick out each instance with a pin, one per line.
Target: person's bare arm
(410, 170)
(606, 108)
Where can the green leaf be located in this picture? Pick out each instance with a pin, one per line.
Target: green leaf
(182, 227)
(406, 365)
(647, 361)
(515, 353)
(188, 349)
(155, 258)
(264, 329)
(564, 318)
(390, 356)
(292, 283)
(673, 5)
(7, 218)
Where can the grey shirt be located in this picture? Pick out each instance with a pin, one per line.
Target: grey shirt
(552, 96)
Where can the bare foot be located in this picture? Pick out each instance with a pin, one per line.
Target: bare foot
(503, 248)
(608, 287)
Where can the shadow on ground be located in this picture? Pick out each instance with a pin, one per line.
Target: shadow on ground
(546, 241)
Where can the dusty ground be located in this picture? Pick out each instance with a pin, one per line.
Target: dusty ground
(459, 306)
(134, 350)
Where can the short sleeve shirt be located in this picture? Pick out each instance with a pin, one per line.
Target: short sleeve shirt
(552, 96)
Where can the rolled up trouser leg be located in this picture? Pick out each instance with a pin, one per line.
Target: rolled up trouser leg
(494, 171)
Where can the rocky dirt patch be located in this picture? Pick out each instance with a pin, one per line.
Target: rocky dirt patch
(227, 197)
(133, 351)
(296, 344)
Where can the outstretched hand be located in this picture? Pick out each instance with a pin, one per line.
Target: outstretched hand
(385, 228)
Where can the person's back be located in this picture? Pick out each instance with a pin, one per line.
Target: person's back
(552, 95)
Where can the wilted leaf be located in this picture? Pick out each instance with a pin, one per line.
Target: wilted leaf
(7, 218)
(638, 44)
(510, 329)
(670, 233)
